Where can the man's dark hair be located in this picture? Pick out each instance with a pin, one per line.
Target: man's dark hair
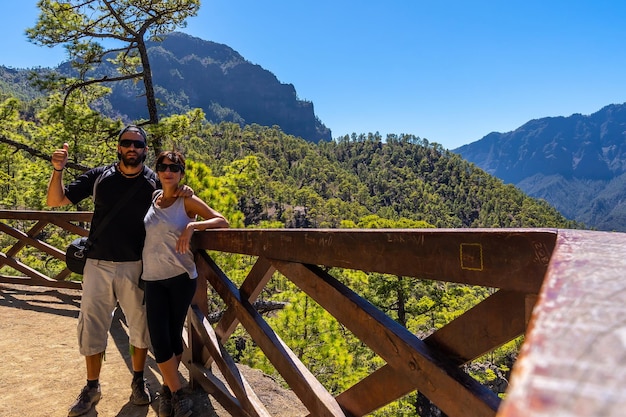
(133, 128)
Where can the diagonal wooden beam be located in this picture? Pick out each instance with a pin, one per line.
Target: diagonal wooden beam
(496, 320)
(302, 382)
(71, 227)
(252, 286)
(27, 239)
(439, 379)
(34, 277)
(249, 401)
(63, 275)
(378, 389)
(214, 386)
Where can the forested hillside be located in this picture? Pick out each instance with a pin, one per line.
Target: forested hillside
(261, 177)
(367, 181)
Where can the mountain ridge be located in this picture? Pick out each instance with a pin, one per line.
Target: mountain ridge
(189, 73)
(576, 163)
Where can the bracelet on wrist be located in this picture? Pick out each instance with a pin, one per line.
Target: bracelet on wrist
(57, 170)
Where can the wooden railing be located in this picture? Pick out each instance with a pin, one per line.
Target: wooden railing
(36, 224)
(563, 289)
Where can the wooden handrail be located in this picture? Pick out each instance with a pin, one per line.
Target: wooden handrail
(69, 223)
(562, 289)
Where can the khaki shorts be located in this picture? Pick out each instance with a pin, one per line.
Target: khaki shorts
(106, 283)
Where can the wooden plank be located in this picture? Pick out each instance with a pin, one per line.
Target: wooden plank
(254, 283)
(47, 215)
(252, 286)
(308, 389)
(200, 298)
(378, 389)
(63, 275)
(61, 219)
(36, 277)
(513, 259)
(71, 227)
(237, 383)
(38, 283)
(212, 385)
(25, 239)
(572, 361)
(453, 391)
(496, 320)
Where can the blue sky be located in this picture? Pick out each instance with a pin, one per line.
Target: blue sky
(447, 71)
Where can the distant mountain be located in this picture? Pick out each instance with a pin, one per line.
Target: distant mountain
(192, 73)
(576, 163)
(14, 82)
(189, 73)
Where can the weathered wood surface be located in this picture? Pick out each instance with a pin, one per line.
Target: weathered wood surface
(310, 391)
(246, 398)
(430, 372)
(573, 361)
(510, 259)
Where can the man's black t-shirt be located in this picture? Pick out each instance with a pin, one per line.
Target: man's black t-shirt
(123, 237)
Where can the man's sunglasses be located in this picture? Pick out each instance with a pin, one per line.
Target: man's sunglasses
(172, 167)
(139, 144)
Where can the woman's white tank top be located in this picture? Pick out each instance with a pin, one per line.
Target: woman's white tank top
(163, 227)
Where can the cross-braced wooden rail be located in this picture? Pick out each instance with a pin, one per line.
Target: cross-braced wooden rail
(563, 289)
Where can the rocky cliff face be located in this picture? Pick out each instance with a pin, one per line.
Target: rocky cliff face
(192, 73)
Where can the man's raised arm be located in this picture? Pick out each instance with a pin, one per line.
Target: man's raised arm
(56, 191)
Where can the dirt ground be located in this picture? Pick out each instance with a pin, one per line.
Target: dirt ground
(41, 371)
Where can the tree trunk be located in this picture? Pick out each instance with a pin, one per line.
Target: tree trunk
(157, 141)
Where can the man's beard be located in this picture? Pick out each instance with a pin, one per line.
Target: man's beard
(133, 161)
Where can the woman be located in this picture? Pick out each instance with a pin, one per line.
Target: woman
(170, 273)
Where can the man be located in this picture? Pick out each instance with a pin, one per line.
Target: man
(113, 266)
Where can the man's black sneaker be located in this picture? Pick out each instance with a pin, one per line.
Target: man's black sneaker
(181, 404)
(87, 398)
(165, 402)
(140, 394)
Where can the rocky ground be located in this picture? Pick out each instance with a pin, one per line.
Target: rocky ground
(41, 371)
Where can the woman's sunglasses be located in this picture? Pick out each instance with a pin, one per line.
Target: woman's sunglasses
(172, 167)
(139, 144)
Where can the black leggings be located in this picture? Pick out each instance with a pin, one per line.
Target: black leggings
(167, 302)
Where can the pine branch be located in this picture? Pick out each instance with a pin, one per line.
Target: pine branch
(105, 79)
(21, 147)
(261, 306)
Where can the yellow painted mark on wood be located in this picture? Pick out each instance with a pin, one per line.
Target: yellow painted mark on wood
(471, 256)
